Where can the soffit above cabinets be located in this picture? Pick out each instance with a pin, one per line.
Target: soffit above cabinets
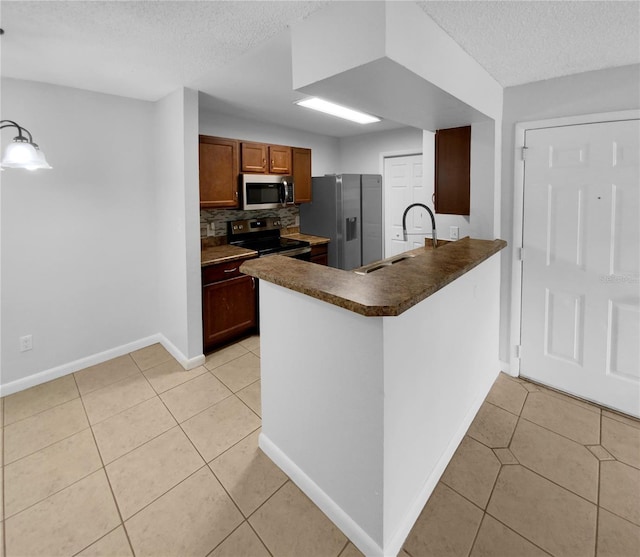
(393, 62)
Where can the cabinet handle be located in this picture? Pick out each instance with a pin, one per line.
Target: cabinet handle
(230, 270)
(253, 283)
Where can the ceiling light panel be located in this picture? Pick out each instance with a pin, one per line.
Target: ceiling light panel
(327, 107)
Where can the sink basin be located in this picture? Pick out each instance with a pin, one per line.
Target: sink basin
(382, 264)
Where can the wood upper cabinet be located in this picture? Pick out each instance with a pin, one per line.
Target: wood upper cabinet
(218, 172)
(279, 159)
(254, 157)
(452, 176)
(301, 162)
(265, 159)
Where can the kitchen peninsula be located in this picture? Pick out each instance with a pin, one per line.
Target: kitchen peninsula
(369, 381)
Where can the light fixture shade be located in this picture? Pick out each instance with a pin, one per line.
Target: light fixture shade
(19, 154)
(41, 162)
(22, 154)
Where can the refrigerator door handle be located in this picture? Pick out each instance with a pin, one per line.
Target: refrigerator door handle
(351, 228)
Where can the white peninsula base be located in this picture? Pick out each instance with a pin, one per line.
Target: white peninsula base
(364, 413)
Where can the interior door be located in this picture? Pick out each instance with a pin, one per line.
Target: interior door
(403, 185)
(581, 239)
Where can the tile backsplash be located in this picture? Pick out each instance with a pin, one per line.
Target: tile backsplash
(219, 217)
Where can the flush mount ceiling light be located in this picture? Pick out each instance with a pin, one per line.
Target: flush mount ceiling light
(327, 107)
(22, 152)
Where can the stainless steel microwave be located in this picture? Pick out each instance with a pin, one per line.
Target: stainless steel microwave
(265, 191)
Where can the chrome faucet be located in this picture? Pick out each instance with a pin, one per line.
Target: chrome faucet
(433, 223)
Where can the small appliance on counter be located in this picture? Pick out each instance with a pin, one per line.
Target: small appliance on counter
(263, 236)
(347, 208)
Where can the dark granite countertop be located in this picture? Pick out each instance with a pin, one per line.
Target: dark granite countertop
(388, 291)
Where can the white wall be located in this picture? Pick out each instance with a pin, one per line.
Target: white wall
(178, 231)
(585, 93)
(479, 224)
(362, 154)
(78, 242)
(324, 149)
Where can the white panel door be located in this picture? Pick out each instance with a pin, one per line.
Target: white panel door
(403, 185)
(580, 274)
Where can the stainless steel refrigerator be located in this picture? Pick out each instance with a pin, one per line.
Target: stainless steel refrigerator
(347, 208)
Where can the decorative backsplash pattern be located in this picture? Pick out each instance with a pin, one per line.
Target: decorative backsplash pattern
(219, 217)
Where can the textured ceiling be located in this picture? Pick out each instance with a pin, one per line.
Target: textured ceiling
(141, 49)
(237, 53)
(521, 42)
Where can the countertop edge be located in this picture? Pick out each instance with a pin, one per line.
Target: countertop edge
(226, 257)
(370, 295)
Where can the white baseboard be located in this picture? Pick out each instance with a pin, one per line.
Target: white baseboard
(326, 504)
(186, 363)
(363, 541)
(394, 545)
(98, 358)
(507, 368)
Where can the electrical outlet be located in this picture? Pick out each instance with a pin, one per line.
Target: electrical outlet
(454, 232)
(26, 343)
(211, 229)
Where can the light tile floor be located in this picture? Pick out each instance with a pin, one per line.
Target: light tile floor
(137, 457)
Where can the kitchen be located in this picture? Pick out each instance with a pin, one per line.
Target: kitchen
(143, 228)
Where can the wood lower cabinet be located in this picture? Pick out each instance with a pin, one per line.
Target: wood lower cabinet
(320, 254)
(218, 172)
(301, 162)
(452, 176)
(229, 308)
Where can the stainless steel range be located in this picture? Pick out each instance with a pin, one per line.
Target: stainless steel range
(263, 236)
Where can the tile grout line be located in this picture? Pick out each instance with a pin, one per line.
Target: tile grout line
(475, 537)
(208, 464)
(531, 422)
(343, 548)
(520, 534)
(104, 470)
(46, 446)
(40, 411)
(262, 505)
(520, 417)
(502, 465)
(598, 490)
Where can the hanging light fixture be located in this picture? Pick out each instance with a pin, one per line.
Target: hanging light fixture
(22, 152)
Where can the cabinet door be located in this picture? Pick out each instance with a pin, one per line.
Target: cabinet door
(319, 254)
(279, 159)
(301, 174)
(254, 157)
(229, 310)
(453, 163)
(218, 172)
